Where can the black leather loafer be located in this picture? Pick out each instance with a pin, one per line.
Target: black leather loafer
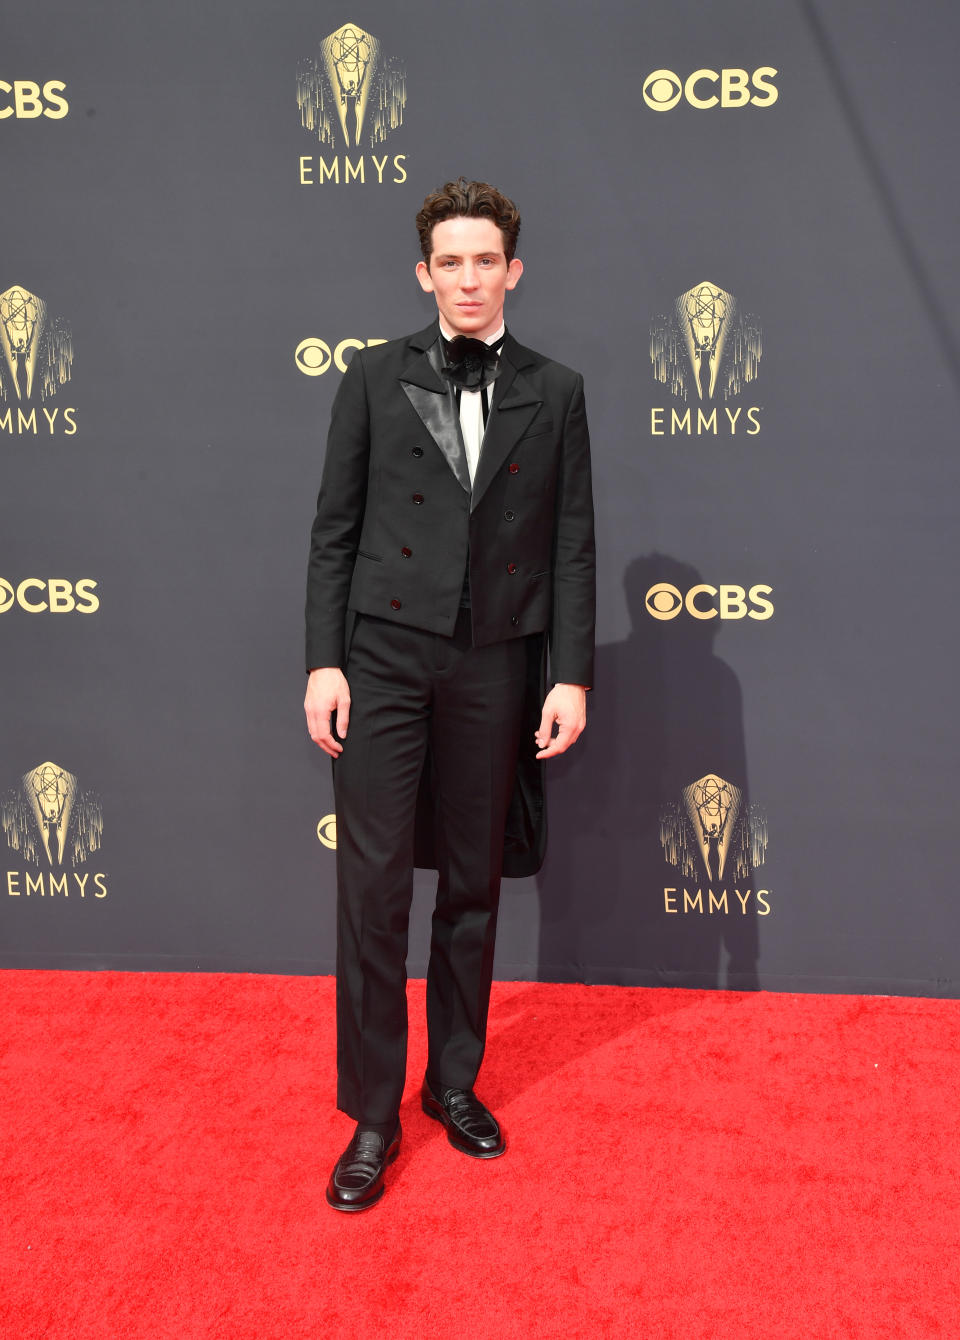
(470, 1127)
(356, 1182)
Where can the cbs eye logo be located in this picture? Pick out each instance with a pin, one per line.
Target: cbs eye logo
(327, 831)
(313, 357)
(26, 100)
(53, 595)
(663, 89)
(665, 602)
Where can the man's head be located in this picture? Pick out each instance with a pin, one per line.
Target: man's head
(469, 200)
(468, 236)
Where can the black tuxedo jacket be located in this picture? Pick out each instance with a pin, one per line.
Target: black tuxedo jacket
(397, 521)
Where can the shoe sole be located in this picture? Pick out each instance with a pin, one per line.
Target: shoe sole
(438, 1114)
(391, 1157)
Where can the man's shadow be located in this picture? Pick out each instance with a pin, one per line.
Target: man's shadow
(665, 712)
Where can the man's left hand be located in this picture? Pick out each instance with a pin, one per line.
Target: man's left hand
(565, 704)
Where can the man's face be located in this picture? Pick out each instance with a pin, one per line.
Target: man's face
(469, 275)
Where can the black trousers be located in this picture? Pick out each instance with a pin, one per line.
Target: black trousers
(412, 692)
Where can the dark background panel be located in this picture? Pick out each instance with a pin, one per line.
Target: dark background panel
(164, 219)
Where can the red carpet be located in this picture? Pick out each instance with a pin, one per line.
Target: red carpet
(745, 1166)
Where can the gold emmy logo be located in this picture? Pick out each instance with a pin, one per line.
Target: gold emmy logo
(353, 89)
(49, 814)
(327, 831)
(705, 347)
(37, 348)
(713, 827)
(36, 358)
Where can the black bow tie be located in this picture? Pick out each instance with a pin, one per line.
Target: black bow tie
(471, 363)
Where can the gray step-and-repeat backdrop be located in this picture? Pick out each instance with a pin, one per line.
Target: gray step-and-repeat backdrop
(740, 225)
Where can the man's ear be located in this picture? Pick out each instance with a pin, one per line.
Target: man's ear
(423, 274)
(514, 271)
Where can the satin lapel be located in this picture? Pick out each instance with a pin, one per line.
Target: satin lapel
(515, 402)
(433, 399)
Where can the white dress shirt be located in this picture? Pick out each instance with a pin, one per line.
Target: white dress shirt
(471, 409)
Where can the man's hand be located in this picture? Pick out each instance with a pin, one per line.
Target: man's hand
(327, 692)
(565, 704)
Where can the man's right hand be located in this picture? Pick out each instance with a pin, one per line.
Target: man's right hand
(327, 693)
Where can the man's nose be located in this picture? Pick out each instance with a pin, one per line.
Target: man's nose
(468, 276)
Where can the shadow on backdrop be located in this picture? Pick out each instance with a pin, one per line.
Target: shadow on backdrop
(665, 714)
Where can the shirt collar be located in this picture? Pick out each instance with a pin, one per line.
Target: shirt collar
(491, 339)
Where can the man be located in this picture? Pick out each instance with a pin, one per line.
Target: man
(454, 534)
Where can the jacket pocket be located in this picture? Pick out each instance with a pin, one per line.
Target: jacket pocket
(539, 427)
(374, 558)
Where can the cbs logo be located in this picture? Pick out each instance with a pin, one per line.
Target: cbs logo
(663, 89)
(39, 595)
(665, 602)
(25, 100)
(313, 357)
(327, 831)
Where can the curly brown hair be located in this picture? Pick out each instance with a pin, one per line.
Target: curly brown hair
(470, 199)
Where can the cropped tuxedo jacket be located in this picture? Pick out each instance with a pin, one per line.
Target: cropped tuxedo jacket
(397, 519)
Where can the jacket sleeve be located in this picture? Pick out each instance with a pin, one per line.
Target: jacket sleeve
(573, 618)
(339, 520)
